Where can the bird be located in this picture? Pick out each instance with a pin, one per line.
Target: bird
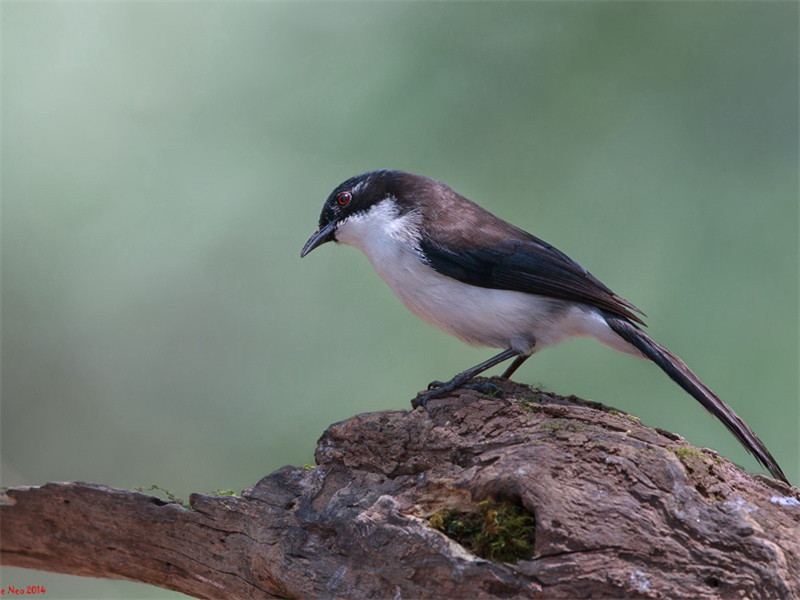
(489, 283)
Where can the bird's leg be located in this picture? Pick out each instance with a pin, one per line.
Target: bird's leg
(463, 377)
(515, 365)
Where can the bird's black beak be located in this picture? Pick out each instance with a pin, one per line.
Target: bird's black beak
(325, 234)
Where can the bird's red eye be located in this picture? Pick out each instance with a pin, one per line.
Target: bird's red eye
(343, 198)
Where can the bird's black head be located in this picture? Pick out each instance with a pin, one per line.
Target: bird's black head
(357, 194)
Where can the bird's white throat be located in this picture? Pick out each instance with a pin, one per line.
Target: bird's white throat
(382, 225)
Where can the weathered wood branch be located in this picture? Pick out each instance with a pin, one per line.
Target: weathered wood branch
(621, 510)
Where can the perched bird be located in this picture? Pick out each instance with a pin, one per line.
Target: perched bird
(469, 273)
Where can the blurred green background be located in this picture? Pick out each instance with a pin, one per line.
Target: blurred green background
(163, 164)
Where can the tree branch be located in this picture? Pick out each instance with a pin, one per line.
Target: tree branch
(620, 510)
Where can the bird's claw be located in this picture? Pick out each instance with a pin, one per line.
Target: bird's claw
(419, 401)
(437, 388)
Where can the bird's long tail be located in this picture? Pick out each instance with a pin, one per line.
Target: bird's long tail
(683, 376)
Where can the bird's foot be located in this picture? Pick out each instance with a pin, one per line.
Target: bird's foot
(439, 388)
(436, 389)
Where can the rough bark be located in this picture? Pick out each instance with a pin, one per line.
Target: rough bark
(621, 510)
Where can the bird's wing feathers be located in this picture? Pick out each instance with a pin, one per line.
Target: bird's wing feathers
(501, 256)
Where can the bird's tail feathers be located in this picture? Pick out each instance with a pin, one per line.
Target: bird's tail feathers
(684, 377)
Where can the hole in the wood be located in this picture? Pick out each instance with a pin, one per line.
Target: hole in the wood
(713, 582)
(499, 531)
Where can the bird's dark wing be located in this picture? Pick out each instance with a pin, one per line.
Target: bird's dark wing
(522, 263)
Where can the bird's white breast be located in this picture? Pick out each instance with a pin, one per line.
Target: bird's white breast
(476, 315)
